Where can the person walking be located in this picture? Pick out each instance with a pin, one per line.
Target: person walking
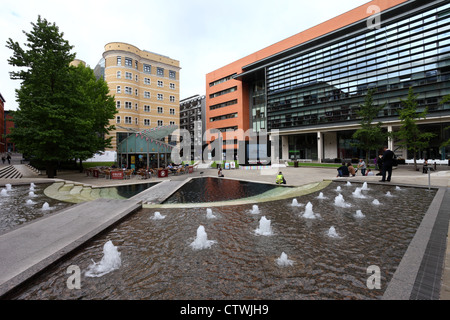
(3, 158)
(8, 157)
(388, 157)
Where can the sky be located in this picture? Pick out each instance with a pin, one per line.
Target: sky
(203, 35)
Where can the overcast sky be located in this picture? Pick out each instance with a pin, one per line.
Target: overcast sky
(203, 35)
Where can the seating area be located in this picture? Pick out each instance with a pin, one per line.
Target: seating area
(126, 174)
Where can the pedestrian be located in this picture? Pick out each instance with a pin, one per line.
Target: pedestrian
(351, 170)
(3, 158)
(362, 166)
(388, 157)
(379, 165)
(219, 173)
(342, 171)
(8, 157)
(280, 178)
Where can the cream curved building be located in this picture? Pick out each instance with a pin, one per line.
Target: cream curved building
(146, 87)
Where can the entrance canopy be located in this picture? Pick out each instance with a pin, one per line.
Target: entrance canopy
(147, 141)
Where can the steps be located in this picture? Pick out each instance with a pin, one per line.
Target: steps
(10, 172)
(78, 193)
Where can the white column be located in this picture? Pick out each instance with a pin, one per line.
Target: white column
(285, 147)
(319, 146)
(390, 140)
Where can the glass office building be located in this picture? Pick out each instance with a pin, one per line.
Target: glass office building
(312, 91)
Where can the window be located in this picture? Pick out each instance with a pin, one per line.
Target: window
(147, 94)
(172, 86)
(215, 83)
(136, 92)
(147, 81)
(118, 119)
(127, 105)
(160, 110)
(136, 64)
(136, 106)
(118, 89)
(160, 96)
(128, 120)
(172, 98)
(118, 104)
(160, 123)
(172, 112)
(119, 61)
(160, 72)
(172, 75)
(146, 122)
(160, 84)
(147, 68)
(119, 75)
(128, 90)
(128, 76)
(128, 62)
(217, 94)
(136, 121)
(172, 123)
(146, 108)
(137, 78)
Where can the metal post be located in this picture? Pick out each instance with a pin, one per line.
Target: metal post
(429, 178)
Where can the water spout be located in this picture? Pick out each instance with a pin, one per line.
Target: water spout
(364, 187)
(45, 206)
(4, 192)
(283, 260)
(111, 261)
(296, 204)
(158, 216)
(8, 187)
(321, 196)
(209, 214)
(309, 214)
(339, 201)
(255, 210)
(31, 194)
(376, 202)
(264, 227)
(338, 189)
(332, 233)
(30, 202)
(398, 188)
(358, 194)
(349, 184)
(359, 214)
(388, 194)
(201, 241)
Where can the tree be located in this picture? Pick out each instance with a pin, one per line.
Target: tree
(61, 108)
(370, 136)
(409, 134)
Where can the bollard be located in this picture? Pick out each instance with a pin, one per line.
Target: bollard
(429, 178)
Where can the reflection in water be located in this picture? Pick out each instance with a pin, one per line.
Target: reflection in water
(130, 190)
(215, 189)
(21, 205)
(158, 262)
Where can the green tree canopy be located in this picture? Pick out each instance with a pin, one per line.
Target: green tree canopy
(370, 136)
(63, 110)
(409, 134)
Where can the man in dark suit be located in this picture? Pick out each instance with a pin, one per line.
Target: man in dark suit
(388, 157)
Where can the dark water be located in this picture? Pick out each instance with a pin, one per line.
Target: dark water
(128, 191)
(216, 189)
(14, 210)
(158, 262)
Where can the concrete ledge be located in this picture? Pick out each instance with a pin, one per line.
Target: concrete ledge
(402, 283)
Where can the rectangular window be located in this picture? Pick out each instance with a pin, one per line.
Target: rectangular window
(136, 121)
(147, 81)
(147, 94)
(172, 123)
(160, 96)
(160, 84)
(118, 104)
(160, 72)
(215, 83)
(172, 74)
(146, 108)
(118, 89)
(172, 86)
(172, 98)
(128, 62)
(118, 75)
(160, 123)
(119, 61)
(147, 68)
(220, 93)
(128, 76)
(118, 119)
(146, 122)
(128, 90)
(127, 105)
(160, 110)
(172, 112)
(128, 120)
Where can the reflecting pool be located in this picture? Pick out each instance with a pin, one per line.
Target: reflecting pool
(328, 251)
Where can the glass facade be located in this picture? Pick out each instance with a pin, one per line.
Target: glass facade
(327, 84)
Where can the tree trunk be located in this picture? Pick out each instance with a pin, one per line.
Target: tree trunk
(51, 169)
(81, 166)
(415, 162)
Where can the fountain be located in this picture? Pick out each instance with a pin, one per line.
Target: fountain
(4, 192)
(338, 189)
(296, 204)
(359, 214)
(158, 216)
(31, 194)
(388, 194)
(264, 227)
(398, 188)
(32, 185)
(209, 214)
(111, 261)
(30, 202)
(332, 233)
(283, 260)
(255, 209)
(340, 202)
(365, 187)
(376, 202)
(358, 194)
(45, 206)
(8, 187)
(309, 214)
(348, 184)
(201, 241)
(321, 196)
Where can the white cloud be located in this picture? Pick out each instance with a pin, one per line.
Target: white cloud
(203, 35)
